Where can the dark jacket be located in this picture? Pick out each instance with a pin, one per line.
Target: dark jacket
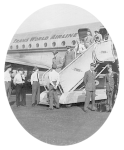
(89, 81)
(111, 81)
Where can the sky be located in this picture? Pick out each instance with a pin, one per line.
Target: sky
(54, 16)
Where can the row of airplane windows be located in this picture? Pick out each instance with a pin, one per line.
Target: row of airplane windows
(45, 45)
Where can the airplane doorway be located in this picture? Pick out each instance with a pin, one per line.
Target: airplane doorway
(83, 33)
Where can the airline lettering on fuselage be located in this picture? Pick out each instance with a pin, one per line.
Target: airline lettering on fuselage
(46, 38)
(64, 36)
(20, 40)
(39, 38)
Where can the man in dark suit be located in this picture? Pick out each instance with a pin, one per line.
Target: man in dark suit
(89, 81)
(110, 86)
(69, 56)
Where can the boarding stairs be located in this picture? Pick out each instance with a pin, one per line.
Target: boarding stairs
(72, 75)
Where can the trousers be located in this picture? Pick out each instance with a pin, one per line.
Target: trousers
(35, 92)
(19, 94)
(109, 98)
(23, 96)
(89, 94)
(8, 89)
(53, 97)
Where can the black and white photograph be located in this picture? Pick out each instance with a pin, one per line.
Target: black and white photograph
(62, 74)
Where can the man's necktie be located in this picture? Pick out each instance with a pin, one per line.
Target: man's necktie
(37, 77)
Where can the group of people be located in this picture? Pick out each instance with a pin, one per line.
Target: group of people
(19, 80)
(54, 81)
(90, 87)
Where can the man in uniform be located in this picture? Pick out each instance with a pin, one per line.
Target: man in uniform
(54, 82)
(18, 82)
(110, 85)
(89, 81)
(57, 60)
(88, 40)
(69, 56)
(7, 80)
(35, 86)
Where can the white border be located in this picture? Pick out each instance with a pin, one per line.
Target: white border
(12, 15)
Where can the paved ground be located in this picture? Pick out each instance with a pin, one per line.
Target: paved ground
(59, 127)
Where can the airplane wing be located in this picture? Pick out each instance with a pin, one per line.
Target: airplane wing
(21, 61)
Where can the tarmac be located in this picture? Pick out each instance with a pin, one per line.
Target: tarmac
(64, 126)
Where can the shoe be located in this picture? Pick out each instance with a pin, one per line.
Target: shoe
(49, 108)
(33, 104)
(57, 107)
(94, 109)
(85, 110)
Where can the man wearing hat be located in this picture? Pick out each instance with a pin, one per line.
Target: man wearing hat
(57, 60)
(69, 56)
(89, 81)
(35, 86)
(54, 82)
(18, 82)
(97, 37)
(7, 80)
(111, 83)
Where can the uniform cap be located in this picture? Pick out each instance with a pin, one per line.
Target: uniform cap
(55, 52)
(54, 66)
(8, 66)
(35, 68)
(20, 69)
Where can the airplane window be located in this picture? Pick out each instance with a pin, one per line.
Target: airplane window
(73, 42)
(17, 46)
(63, 43)
(23, 46)
(29, 46)
(11, 47)
(45, 44)
(37, 45)
(54, 44)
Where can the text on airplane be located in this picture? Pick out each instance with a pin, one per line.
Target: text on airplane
(46, 38)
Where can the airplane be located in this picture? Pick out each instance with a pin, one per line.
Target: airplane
(36, 48)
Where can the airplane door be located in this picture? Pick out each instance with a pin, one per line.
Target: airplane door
(83, 33)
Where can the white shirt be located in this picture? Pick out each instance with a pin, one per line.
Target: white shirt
(34, 77)
(18, 79)
(81, 48)
(7, 76)
(54, 76)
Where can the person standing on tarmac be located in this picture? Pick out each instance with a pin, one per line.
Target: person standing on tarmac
(89, 81)
(18, 82)
(7, 80)
(35, 86)
(54, 80)
(57, 60)
(110, 86)
(24, 88)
